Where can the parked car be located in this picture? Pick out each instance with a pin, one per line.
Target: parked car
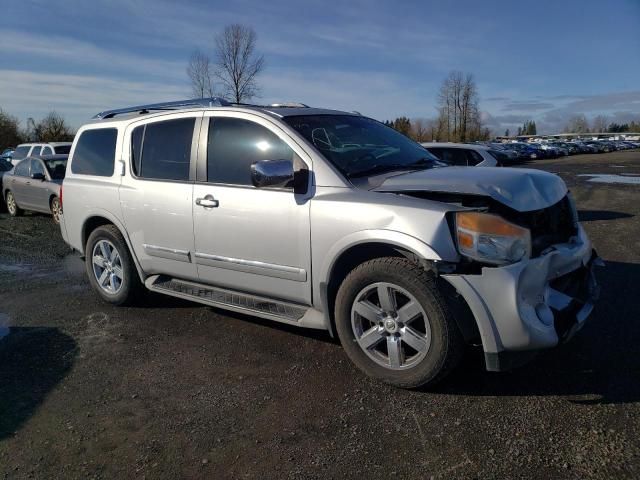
(34, 184)
(527, 151)
(7, 153)
(328, 220)
(5, 166)
(25, 150)
(463, 154)
(512, 155)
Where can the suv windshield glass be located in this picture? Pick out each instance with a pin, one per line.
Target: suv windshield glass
(360, 146)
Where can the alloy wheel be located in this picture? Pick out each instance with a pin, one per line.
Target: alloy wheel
(390, 326)
(107, 266)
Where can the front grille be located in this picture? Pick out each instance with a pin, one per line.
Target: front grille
(551, 225)
(548, 226)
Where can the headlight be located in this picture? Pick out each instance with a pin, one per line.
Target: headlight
(491, 239)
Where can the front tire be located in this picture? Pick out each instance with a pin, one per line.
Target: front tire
(110, 268)
(395, 325)
(12, 206)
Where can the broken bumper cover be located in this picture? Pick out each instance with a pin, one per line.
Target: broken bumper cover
(531, 305)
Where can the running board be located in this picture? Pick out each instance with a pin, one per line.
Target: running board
(228, 299)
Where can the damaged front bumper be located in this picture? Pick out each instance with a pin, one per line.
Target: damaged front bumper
(533, 304)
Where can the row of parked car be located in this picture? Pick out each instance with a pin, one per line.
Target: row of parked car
(513, 151)
(31, 176)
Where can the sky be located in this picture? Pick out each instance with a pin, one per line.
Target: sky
(540, 60)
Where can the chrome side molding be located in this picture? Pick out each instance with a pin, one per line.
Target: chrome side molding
(252, 266)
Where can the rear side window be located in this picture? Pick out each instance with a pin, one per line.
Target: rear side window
(62, 149)
(36, 151)
(47, 151)
(36, 167)
(95, 152)
(234, 144)
(20, 153)
(162, 150)
(473, 158)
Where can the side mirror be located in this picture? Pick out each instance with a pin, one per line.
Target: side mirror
(38, 176)
(272, 173)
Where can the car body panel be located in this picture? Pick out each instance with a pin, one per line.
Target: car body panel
(521, 189)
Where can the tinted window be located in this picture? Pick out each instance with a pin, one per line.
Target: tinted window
(47, 151)
(234, 144)
(95, 152)
(57, 168)
(36, 151)
(20, 153)
(166, 150)
(62, 149)
(22, 169)
(136, 148)
(473, 158)
(36, 167)
(452, 156)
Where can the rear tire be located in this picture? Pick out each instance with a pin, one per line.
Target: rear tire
(110, 268)
(12, 206)
(409, 339)
(56, 209)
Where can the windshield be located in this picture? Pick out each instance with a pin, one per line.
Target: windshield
(359, 146)
(57, 168)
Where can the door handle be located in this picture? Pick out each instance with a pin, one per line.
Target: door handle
(208, 202)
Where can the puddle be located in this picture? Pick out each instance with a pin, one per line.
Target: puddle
(628, 179)
(4, 325)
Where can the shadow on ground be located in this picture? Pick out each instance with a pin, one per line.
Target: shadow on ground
(33, 360)
(600, 365)
(595, 215)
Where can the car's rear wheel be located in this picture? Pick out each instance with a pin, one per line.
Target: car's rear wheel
(395, 325)
(110, 268)
(12, 206)
(56, 209)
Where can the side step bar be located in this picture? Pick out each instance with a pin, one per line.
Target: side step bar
(228, 299)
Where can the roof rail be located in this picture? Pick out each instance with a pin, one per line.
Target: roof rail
(288, 105)
(142, 109)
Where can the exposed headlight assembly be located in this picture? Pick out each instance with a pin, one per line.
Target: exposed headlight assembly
(491, 239)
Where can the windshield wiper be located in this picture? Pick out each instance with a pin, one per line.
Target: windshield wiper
(383, 168)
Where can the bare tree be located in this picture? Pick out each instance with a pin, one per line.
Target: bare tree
(199, 72)
(52, 128)
(420, 129)
(459, 114)
(577, 124)
(600, 124)
(10, 134)
(238, 63)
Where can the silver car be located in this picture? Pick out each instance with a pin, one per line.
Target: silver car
(329, 220)
(34, 184)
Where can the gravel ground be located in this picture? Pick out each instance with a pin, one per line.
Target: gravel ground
(172, 389)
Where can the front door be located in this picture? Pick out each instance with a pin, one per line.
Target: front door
(157, 193)
(249, 239)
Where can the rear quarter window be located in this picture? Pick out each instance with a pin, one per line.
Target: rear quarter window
(95, 152)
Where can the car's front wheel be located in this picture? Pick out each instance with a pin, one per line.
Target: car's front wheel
(12, 206)
(110, 268)
(395, 325)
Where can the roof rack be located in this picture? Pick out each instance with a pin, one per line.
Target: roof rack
(288, 105)
(142, 109)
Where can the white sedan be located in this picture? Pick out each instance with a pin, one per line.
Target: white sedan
(462, 154)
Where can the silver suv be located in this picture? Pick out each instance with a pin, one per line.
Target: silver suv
(328, 220)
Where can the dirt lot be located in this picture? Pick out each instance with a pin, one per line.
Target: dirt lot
(173, 389)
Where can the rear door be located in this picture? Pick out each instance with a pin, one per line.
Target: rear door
(18, 182)
(157, 194)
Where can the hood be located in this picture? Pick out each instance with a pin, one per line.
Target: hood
(518, 188)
